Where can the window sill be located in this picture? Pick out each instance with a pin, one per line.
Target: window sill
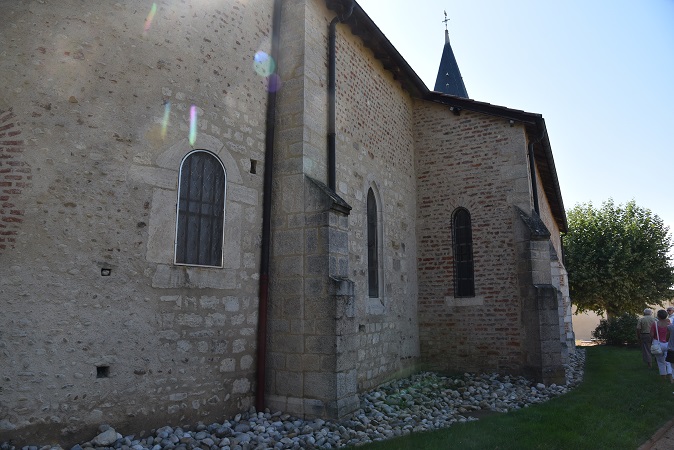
(375, 306)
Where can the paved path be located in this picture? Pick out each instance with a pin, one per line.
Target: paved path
(663, 439)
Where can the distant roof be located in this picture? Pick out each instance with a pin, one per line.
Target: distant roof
(449, 80)
(362, 26)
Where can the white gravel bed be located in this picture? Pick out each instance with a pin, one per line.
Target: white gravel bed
(422, 402)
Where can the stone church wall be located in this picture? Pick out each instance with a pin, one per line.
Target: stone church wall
(97, 325)
(310, 351)
(301, 331)
(488, 161)
(376, 150)
(546, 216)
(560, 277)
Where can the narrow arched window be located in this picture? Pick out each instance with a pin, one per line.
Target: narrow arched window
(464, 279)
(372, 247)
(201, 210)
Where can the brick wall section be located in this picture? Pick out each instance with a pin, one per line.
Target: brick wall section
(479, 163)
(15, 176)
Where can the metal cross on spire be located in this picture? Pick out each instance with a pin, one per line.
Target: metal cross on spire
(449, 79)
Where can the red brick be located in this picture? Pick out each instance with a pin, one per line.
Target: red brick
(10, 115)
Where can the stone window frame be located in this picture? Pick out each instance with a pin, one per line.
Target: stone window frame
(214, 260)
(462, 250)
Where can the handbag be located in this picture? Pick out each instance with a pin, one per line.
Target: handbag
(656, 349)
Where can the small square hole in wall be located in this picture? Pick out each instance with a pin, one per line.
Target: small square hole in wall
(105, 272)
(102, 371)
(253, 166)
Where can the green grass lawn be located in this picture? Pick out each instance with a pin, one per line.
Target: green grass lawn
(619, 405)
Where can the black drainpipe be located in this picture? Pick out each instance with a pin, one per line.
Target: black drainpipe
(266, 218)
(332, 82)
(532, 169)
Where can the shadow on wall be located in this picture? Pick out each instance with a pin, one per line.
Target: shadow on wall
(584, 324)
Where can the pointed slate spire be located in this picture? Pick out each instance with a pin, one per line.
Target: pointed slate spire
(449, 79)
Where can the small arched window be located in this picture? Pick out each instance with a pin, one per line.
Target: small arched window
(200, 210)
(464, 279)
(372, 246)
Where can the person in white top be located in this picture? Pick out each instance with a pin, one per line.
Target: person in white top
(670, 313)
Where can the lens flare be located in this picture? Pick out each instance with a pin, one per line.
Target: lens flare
(150, 16)
(193, 125)
(273, 83)
(165, 120)
(264, 64)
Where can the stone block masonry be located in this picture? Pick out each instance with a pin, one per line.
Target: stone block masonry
(98, 324)
(315, 247)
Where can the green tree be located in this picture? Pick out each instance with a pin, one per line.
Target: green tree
(617, 258)
(617, 330)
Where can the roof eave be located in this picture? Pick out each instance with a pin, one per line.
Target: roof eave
(545, 163)
(536, 132)
(363, 26)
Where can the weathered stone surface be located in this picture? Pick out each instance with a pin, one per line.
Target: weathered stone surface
(106, 438)
(107, 111)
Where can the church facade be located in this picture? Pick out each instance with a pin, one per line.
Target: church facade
(208, 206)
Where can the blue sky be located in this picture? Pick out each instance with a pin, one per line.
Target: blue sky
(601, 73)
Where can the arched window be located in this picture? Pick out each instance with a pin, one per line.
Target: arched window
(372, 246)
(201, 210)
(464, 279)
